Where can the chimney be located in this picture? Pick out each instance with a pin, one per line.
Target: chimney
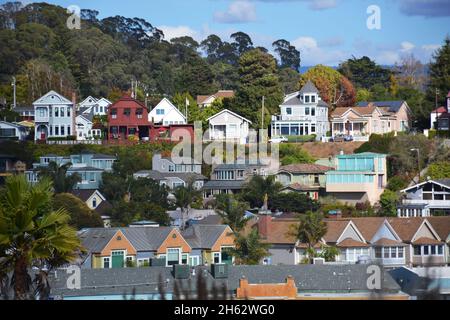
(264, 225)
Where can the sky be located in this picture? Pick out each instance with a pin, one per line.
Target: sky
(325, 31)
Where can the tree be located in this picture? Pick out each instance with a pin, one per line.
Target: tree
(289, 79)
(232, 212)
(258, 78)
(294, 202)
(289, 56)
(439, 170)
(80, 214)
(388, 203)
(211, 45)
(439, 75)
(364, 73)
(291, 154)
(186, 196)
(334, 88)
(257, 188)
(242, 42)
(411, 72)
(32, 234)
(397, 183)
(310, 229)
(249, 249)
(62, 182)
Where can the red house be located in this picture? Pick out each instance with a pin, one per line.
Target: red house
(128, 117)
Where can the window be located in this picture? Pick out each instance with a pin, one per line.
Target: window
(69, 131)
(306, 99)
(386, 252)
(68, 112)
(63, 131)
(400, 252)
(114, 113)
(42, 112)
(194, 261)
(313, 128)
(143, 262)
(56, 112)
(56, 130)
(307, 111)
(440, 250)
(94, 203)
(417, 250)
(216, 257)
(184, 259)
(160, 112)
(173, 256)
(127, 112)
(139, 113)
(106, 263)
(313, 99)
(62, 112)
(426, 250)
(288, 111)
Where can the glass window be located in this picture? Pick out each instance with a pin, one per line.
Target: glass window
(426, 250)
(313, 111)
(216, 257)
(378, 253)
(433, 250)
(400, 252)
(417, 251)
(313, 100)
(289, 111)
(56, 112)
(307, 111)
(306, 99)
(106, 263)
(173, 256)
(56, 130)
(386, 252)
(440, 250)
(68, 112)
(184, 259)
(63, 131)
(127, 112)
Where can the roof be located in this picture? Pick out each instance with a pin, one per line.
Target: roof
(351, 243)
(99, 156)
(425, 240)
(103, 207)
(210, 220)
(362, 111)
(224, 184)
(23, 108)
(440, 110)
(441, 225)
(406, 228)
(85, 194)
(52, 97)
(201, 236)
(218, 94)
(301, 187)
(443, 182)
(388, 242)
(305, 168)
(309, 87)
(393, 106)
(228, 111)
(368, 226)
(83, 169)
(185, 176)
(335, 229)
(308, 278)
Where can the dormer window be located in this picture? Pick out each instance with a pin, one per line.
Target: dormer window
(313, 99)
(306, 99)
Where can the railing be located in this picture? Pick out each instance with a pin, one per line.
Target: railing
(293, 118)
(74, 142)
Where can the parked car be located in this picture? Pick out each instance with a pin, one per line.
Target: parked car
(341, 138)
(278, 139)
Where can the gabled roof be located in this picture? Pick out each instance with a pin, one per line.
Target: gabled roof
(309, 87)
(352, 243)
(368, 226)
(443, 183)
(441, 225)
(360, 111)
(201, 236)
(171, 105)
(85, 194)
(407, 228)
(219, 94)
(393, 106)
(52, 97)
(305, 168)
(185, 176)
(93, 100)
(228, 111)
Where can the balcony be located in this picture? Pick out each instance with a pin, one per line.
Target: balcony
(293, 118)
(430, 203)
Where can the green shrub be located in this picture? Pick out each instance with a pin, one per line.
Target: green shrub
(442, 134)
(299, 139)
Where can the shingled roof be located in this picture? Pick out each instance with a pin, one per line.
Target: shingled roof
(305, 168)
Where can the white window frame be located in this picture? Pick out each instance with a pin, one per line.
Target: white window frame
(192, 259)
(167, 255)
(214, 257)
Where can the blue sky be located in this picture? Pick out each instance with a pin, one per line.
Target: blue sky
(325, 31)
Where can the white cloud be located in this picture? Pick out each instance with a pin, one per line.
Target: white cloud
(407, 46)
(312, 53)
(171, 32)
(431, 47)
(239, 11)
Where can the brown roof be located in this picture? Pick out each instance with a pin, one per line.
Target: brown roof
(84, 195)
(305, 168)
(406, 228)
(351, 243)
(279, 232)
(218, 94)
(368, 226)
(364, 111)
(441, 225)
(424, 240)
(335, 229)
(388, 242)
(301, 187)
(103, 207)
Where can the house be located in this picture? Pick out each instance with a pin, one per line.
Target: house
(391, 242)
(368, 118)
(425, 199)
(54, 117)
(208, 100)
(13, 131)
(85, 127)
(140, 246)
(94, 199)
(174, 174)
(128, 118)
(165, 113)
(358, 178)
(302, 113)
(310, 282)
(230, 178)
(305, 178)
(10, 165)
(99, 107)
(440, 118)
(26, 112)
(229, 126)
(192, 216)
(89, 167)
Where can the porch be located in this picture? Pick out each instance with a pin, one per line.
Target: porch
(355, 128)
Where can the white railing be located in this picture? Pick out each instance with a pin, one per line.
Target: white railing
(72, 142)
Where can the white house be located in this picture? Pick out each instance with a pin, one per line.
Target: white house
(99, 107)
(227, 125)
(440, 118)
(54, 117)
(13, 131)
(165, 113)
(302, 113)
(84, 127)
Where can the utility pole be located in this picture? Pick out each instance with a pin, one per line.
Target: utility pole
(14, 92)
(262, 113)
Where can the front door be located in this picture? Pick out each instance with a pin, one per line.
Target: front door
(117, 259)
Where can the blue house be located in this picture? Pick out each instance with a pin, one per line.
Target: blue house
(89, 167)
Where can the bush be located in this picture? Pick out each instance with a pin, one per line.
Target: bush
(290, 153)
(442, 134)
(301, 139)
(397, 183)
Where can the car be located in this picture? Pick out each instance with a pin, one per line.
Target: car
(348, 138)
(278, 139)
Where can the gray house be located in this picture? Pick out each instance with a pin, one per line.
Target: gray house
(89, 166)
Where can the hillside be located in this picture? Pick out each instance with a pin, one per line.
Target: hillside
(325, 150)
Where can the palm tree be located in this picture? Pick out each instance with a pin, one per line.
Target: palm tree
(185, 196)
(62, 183)
(232, 212)
(310, 230)
(32, 234)
(258, 187)
(249, 249)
